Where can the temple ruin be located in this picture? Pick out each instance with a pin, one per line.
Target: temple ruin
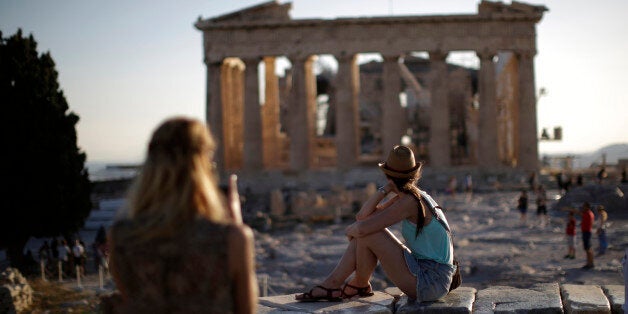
(452, 115)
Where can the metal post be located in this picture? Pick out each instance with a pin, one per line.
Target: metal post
(43, 269)
(100, 277)
(60, 268)
(78, 276)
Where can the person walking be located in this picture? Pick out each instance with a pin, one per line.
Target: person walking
(78, 252)
(522, 206)
(570, 234)
(541, 205)
(601, 230)
(586, 227)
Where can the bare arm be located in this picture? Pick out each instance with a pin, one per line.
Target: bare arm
(372, 205)
(233, 199)
(405, 207)
(242, 269)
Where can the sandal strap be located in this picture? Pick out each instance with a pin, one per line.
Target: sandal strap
(359, 290)
(328, 291)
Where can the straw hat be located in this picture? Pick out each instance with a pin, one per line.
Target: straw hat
(400, 163)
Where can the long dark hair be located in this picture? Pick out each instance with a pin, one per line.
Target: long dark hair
(409, 186)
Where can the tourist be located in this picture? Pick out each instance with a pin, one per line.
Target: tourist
(468, 184)
(533, 181)
(601, 175)
(522, 205)
(182, 247)
(541, 205)
(78, 252)
(423, 269)
(601, 230)
(571, 235)
(64, 255)
(452, 185)
(624, 179)
(586, 226)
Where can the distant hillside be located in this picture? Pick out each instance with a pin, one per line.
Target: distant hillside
(613, 153)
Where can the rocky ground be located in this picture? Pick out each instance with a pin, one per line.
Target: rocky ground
(492, 244)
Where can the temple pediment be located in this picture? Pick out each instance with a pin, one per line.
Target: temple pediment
(267, 11)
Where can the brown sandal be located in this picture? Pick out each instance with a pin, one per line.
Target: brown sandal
(309, 297)
(360, 291)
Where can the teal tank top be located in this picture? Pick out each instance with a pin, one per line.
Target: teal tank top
(433, 243)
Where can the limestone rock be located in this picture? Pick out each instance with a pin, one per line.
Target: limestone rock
(616, 297)
(458, 301)
(539, 298)
(584, 299)
(16, 295)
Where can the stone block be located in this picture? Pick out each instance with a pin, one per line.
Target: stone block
(458, 301)
(616, 297)
(543, 298)
(584, 299)
(379, 303)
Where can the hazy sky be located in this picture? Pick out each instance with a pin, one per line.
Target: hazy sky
(124, 66)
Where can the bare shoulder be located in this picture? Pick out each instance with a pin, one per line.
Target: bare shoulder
(240, 234)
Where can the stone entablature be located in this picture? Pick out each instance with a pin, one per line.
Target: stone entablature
(267, 31)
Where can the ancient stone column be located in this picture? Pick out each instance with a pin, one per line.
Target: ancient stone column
(301, 113)
(393, 118)
(528, 155)
(214, 109)
(270, 116)
(488, 152)
(347, 111)
(253, 158)
(440, 135)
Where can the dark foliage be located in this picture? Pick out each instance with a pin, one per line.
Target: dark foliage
(45, 187)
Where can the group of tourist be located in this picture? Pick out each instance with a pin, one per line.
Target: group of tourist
(587, 224)
(541, 205)
(59, 251)
(182, 246)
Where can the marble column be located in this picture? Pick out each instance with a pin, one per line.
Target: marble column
(270, 116)
(393, 118)
(528, 155)
(301, 113)
(253, 159)
(347, 111)
(213, 114)
(488, 152)
(440, 134)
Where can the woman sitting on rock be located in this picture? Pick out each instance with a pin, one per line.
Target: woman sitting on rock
(181, 249)
(422, 268)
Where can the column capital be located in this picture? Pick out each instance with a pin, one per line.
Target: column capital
(438, 55)
(345, 56)
(215, 62)
(299, 57)
(525, 54)
(486, 55)
(251, 60)
(392, 58)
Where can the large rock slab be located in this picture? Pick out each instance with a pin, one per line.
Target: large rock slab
(616, 297)
(584, 299)
(458, 301)
(540, 298)
(380, 303)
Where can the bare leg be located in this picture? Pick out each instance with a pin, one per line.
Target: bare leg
(386, 248)
(344, 268)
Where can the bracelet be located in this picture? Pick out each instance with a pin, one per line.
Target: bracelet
(382, 190)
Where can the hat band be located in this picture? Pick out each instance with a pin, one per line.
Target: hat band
(401, 171)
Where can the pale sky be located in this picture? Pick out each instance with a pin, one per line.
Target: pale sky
(124, 66)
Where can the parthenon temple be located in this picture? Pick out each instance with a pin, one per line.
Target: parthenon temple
(451, 115)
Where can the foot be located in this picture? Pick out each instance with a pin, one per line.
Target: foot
(567, 256)
(588, 266)
(319, 293)
(349, 291)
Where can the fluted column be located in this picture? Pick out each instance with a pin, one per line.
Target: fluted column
(488, 152)
(302, 106)
(393, 118)
(347, 119)
(213, 114)
(440, 135)
(253, 159)
(528, 154)
(270, 115)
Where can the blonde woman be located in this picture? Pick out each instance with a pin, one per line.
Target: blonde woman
(182, 249)
(422, 268)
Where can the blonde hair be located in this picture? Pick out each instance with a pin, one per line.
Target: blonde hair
(177, 183)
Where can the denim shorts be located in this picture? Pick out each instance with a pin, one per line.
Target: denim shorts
(432, 278)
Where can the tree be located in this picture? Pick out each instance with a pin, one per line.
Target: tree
(45, 187)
